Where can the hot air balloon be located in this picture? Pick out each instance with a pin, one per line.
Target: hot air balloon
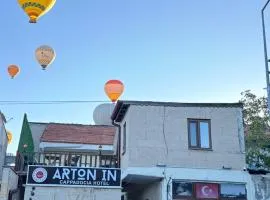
(114, 89)
(9, 137)
(13, 70)
(36, 8)
(45, 55)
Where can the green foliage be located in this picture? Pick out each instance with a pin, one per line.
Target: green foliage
(26, 143)
(257, 130)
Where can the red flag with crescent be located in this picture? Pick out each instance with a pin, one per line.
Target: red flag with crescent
(207, 191)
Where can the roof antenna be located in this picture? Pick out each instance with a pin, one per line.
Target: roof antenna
(9, 120)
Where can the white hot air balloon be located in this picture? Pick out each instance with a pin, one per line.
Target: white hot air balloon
(45, 55)
(102, 114)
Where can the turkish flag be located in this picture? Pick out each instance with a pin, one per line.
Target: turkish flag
(207, 191)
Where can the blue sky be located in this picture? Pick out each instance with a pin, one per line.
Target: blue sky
(176, 50)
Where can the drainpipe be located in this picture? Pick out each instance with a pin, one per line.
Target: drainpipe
(168, 188)
(118, 143)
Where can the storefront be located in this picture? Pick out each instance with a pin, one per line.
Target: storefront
(52, 182)
(200, 190)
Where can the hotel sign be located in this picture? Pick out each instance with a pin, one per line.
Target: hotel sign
(74, 177)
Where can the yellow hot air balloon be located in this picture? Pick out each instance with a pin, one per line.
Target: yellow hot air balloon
(36, 8)
(45, 55)
(9, 137)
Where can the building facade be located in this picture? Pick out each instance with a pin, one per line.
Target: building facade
(68, 161)
(182, 151)
(3, 143)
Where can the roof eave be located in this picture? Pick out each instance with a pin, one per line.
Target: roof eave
(122, 106)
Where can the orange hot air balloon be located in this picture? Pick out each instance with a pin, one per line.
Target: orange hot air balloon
(13, 70)
(114, 89)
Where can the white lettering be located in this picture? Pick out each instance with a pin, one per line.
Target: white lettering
(57, 174)
(110, 175)
(104, 175)
(92, 174)
(66, 173)
(73, 172)
(81, 174)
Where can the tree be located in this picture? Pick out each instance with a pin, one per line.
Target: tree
(26, 143)
(256, 125)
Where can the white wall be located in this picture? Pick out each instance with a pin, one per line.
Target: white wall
(125, 157)
(146, 143)
(9, 182)
(200, 175)
(70, 193)
(3, 145)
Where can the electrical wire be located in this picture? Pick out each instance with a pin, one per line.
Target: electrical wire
(51, 102)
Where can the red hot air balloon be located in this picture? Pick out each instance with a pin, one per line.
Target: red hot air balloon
(114, 89)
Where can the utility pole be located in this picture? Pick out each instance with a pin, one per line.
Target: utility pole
(266, 60)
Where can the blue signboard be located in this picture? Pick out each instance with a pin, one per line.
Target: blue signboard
(74, 176)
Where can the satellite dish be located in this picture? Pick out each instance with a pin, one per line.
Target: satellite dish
(102, 114)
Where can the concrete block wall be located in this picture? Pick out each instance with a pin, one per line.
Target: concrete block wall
(157, 134)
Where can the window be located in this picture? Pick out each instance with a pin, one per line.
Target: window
(199, 133)
(124, 138)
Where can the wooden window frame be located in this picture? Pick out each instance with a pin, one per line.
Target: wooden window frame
(124, 138)
(198, 134)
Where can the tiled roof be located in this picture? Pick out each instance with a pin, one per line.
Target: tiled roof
(80, 134)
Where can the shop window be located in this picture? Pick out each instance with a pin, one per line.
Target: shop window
(206, 191)
(182, 190)
(232, 191)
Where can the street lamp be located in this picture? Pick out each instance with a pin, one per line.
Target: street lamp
(266, 57)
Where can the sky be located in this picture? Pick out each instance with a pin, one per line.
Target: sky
(175, 50)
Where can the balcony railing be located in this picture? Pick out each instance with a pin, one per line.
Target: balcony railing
(64, 159)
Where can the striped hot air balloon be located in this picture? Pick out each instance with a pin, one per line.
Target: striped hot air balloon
(114, 89)
(36, 8)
